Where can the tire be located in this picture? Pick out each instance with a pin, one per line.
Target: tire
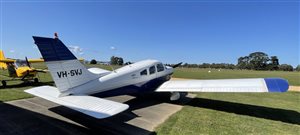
(36, 80)
(4, 83)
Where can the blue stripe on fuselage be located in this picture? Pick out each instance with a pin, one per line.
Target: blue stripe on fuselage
(276, 84)
(52, 49)
(150, 86)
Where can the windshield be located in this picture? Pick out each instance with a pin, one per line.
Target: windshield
(20, 63)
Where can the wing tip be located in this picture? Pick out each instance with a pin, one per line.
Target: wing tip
(277, 84)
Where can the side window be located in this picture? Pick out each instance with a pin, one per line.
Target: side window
(144, 72)
(160, 67)
(152, 70)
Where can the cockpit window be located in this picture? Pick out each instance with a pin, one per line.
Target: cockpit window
(152, 70)
(144, 72)
(20, 63)
(160, 67)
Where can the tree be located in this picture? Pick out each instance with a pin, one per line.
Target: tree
(258, 60)
(185, 65)
(243, 62)
(120, 61)
(116, 60)
(286, 67)
(113, 60)
(274, 63)
(93, 61)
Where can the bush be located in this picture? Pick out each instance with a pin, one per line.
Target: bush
(93, 61)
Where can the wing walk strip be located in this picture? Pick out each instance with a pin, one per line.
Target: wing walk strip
(92, 106)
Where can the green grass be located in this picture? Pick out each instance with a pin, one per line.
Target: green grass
(236, 113)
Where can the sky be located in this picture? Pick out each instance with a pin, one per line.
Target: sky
(172, 31)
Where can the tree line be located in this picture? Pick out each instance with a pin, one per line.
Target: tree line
(261, 61)
(254, 61)
(113, 61)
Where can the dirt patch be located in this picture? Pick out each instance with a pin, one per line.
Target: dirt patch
(294, 88)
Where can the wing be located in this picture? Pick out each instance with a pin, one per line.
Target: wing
(35, 60)
(92, 106)
(7, 60)
(227, 85)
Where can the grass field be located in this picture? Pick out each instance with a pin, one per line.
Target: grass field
(215, 113)
(228, 113)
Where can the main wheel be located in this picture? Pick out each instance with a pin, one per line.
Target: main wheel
(36, 80)
(4, 83)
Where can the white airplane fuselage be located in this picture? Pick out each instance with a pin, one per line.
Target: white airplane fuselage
(129, 75)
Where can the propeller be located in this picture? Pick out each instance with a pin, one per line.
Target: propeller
(176, 65)
(27, 62)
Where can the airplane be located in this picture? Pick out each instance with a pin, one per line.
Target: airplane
(19, 69)
(75, 83)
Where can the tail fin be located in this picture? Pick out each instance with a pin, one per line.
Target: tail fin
(66, 70)
(2, 57)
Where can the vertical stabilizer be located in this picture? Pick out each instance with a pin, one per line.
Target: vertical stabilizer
(66, 70)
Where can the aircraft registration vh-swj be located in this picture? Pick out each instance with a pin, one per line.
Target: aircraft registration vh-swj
(75, 83)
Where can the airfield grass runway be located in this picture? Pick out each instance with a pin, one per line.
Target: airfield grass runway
(212, 113)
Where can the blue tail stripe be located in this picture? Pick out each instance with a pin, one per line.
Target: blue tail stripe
(52, 49)
(276, 84)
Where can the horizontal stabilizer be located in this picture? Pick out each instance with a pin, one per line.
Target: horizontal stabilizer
(226, 85)
(92, 106)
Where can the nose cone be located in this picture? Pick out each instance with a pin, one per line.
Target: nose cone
(277, 84)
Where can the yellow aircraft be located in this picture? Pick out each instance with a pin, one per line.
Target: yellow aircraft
(19, 69)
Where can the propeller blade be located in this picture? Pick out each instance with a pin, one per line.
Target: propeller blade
(27, 62)
(176, 65)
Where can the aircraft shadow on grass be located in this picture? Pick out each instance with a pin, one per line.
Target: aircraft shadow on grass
(276, 114)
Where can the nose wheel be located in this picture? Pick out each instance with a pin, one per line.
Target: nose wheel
(175, 96)
(36, 80)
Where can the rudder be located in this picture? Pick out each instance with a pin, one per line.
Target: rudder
(2, 57)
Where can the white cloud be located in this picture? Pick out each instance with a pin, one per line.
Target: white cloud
(76, 49)
(12, 51)
(113, 48)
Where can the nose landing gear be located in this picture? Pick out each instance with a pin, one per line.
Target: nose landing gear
(175, 96)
